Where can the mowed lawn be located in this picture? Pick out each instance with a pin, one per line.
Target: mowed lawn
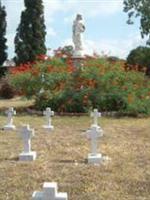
(61, 157)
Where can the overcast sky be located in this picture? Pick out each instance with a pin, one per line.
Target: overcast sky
(106, 28)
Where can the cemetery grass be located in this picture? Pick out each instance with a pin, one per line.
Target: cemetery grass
(61, 157)
(18, 103)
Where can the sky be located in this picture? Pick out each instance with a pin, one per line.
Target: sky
(106, 28)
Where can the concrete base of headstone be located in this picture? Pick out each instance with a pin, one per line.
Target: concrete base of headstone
(49, 192)
(10, 127)
(95, 158)
(39, 196)
(27, 156)
(48, 127)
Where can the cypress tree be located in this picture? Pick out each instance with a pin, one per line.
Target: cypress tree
(3, 40)
(30, 36)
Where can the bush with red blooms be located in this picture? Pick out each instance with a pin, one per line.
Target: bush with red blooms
(98, 83)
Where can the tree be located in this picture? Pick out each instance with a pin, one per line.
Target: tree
(139, 8)
(30, 36)
(3, 40)
(140, 56)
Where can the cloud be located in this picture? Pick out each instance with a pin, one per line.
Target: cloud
(51, 7)
(69, 19)
(115, 47)
(111, 47)
(94, 8)
(51, 32)
(89, 8)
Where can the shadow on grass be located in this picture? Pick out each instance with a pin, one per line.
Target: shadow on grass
(15, 158)
(67, 161)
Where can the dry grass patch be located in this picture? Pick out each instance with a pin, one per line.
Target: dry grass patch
(61, 157)
(18, 103)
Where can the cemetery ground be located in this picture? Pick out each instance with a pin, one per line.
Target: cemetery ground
(61, 157)
(18, 103)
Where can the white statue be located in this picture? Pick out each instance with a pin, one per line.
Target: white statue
(78, 29)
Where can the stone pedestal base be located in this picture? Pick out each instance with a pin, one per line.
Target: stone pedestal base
(77, 61)
(10, 127)
(48, 127)
(40, 196)
(27, 156)
(37, 195)
(95, 158)
(78, 53)
(49, 192)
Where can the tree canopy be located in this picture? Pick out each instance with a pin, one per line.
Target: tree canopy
(140, 56)
(141, 9)
(30, 36)
(3, 40)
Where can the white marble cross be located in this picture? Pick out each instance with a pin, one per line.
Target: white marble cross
(42, 82)
(94, 133)
(95, 114)
(27, 134)
(49, 193)
(48, 113)
(10, 112)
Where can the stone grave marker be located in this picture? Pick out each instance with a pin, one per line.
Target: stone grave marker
(49, 193)
(48, 114)
(42, 83)
(27, 134)
(10, 126)
(93, 134)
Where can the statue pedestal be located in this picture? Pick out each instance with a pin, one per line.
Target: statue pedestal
(77, 61)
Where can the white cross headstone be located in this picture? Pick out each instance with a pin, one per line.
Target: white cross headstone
(49, 193)
(42, 83)
(94, 133)
(27, 134)
(10, 126)
(48, 113)
(95, 114)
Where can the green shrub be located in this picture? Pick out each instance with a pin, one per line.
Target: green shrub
(97, 84)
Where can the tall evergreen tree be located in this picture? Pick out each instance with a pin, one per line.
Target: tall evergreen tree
(3, 40)
(30, 36)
